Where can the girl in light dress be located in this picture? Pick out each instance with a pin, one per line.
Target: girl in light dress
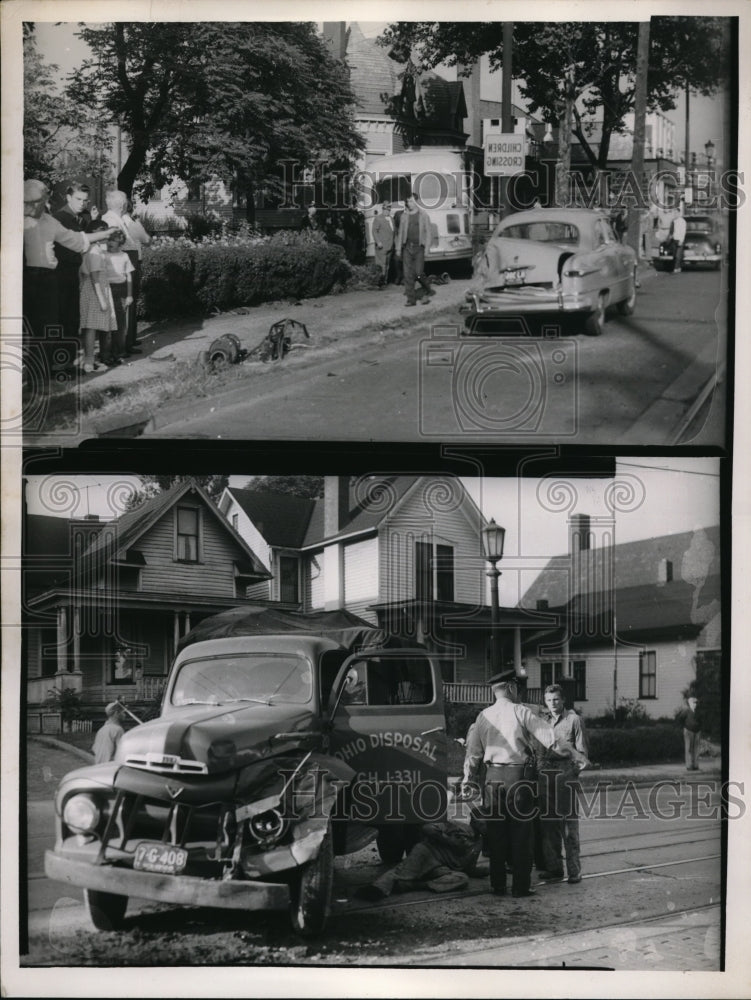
(106, 296)
(97, 307)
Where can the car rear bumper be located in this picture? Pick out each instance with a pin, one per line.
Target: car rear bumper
(529, 300)
(186, 890)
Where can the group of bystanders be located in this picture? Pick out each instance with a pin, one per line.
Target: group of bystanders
(81, 278)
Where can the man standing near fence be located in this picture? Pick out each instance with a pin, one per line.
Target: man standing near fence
(108, 737)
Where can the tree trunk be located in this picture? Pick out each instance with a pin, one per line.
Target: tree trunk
(250, 204)
(640, 114)
(563, 166)
(131, 169)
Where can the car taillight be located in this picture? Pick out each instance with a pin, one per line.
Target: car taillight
(718, 247)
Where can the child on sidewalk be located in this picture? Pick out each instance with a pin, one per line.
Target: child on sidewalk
(119, 274)
(97, 307)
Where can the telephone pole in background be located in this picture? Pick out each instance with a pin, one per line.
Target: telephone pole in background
(640, 115)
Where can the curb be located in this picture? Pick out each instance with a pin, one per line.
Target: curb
(50, 741)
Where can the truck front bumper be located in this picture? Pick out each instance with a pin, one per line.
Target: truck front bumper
(186, 890)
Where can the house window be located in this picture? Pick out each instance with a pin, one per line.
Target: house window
(235, 521)
(188, 534)
(289, 585)
(648, 675)
(550, 673)
(434, 572)
(580, 680)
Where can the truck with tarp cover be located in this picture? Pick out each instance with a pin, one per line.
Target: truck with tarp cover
(283, 740)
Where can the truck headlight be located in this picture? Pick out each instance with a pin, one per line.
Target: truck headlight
(267, 827)
(81, 814)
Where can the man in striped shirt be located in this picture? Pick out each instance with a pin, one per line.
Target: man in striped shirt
(503, 740)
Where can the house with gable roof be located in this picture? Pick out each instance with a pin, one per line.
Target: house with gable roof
(106, 602)
(639, 621)
(404, 552)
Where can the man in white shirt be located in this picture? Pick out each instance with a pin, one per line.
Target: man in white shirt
(502, 740)
(678, 230)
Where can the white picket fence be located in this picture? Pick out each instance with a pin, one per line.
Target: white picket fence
(81, 726)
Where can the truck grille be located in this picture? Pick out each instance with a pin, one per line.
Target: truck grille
(163, 763)
(207, 831)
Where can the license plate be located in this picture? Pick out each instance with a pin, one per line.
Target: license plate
(515, 277)
(163, 858)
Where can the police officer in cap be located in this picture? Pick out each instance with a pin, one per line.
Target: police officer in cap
(501, 740)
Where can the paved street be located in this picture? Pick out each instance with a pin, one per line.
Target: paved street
(635, 384)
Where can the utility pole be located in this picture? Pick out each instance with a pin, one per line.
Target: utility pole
(640, 115)
(507, 118)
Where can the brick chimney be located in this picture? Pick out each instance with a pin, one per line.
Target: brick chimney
(335, 37)
(579, 546)
(335, 504)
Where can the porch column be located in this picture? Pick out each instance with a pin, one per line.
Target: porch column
(187, 623)
(62, 639)
(566, 660)
(517, 650)
(76, 639)
(175, 629)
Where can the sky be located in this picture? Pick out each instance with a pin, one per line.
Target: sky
(664, 496)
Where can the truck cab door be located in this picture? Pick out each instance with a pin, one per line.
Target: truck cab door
(386, 721)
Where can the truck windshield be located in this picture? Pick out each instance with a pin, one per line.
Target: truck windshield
(265, 678)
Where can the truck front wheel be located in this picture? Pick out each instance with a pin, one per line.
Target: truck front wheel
(106, 910)
(310, 893)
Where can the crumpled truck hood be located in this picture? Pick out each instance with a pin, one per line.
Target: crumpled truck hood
(222, 737)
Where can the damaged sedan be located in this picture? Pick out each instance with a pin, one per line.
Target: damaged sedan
(551, 263)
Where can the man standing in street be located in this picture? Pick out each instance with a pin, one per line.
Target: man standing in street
(691, 733)
(557, 791)
(502, 739)
(108, 737)
(383, 238)
(412, 240)
(678, 237)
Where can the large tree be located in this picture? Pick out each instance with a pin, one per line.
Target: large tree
(200, 99)
(309, 487)
(590, 65)
(58, 132)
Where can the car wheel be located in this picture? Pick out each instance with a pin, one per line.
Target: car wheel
(310, 895)
(595, 321)
(627, 306)
(105, 910)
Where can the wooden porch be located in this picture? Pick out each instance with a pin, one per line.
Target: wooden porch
(480, 694)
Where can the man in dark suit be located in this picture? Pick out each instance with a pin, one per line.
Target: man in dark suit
(74, 216)
(383, 238)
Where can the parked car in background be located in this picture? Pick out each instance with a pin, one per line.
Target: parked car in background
(701, 248)
(552, 262)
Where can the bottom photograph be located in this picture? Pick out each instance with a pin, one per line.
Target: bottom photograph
(375, 720)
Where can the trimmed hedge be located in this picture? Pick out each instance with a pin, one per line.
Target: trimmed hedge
(185, 279)
(655, 744)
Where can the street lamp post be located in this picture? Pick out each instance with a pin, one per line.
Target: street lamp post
(493, 536)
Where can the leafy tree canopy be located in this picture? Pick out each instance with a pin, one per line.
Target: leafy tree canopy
(232, 99)
(597, 61)
(309, 487)
(57, 130)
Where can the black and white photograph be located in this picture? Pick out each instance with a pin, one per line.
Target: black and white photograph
(392, 362)
(257, 205)
(290, 822)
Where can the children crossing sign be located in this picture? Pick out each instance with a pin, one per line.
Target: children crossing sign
(504, 153)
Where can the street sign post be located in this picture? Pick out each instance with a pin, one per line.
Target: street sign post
(505, 153)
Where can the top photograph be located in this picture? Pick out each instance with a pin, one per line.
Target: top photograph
(447, 231)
